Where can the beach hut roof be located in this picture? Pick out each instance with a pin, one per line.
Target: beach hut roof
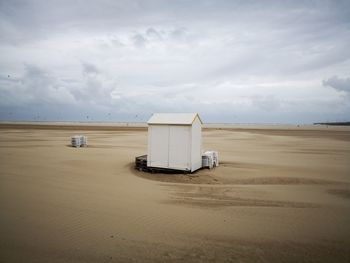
(173, 118)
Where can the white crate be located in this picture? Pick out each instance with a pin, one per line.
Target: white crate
(79, 141)
(207, 161)
(214, 155)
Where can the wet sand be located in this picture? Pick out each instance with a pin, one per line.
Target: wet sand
(280, 194)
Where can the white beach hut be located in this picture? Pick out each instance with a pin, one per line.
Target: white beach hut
(175, 141)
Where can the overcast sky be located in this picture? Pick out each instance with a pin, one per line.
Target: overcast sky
(230, 61)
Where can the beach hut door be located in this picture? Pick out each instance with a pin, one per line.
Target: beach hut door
(179, 147)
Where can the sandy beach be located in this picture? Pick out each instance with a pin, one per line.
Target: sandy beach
(280, 194)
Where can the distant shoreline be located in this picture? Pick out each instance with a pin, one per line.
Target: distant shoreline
(345, 123)
(142, 126)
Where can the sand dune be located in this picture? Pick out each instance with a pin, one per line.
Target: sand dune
(281, 194)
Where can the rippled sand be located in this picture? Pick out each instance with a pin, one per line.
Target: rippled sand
(281, 194)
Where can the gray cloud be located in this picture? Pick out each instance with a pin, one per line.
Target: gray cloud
(152, 33)
(139, 40)
(89, 68)
(249, 61)
(340, 84)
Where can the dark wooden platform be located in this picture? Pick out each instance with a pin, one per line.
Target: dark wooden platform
(141, 165)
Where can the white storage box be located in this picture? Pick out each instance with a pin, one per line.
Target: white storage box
(79, 141)
(215, 156)
(83, 140)
(210, 159)
(207, 161)
(75, 140)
